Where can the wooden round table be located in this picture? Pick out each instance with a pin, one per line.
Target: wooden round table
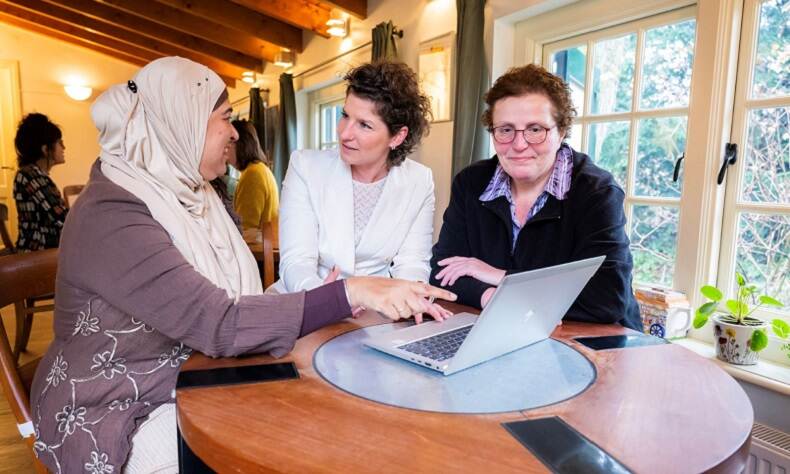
(657, 408)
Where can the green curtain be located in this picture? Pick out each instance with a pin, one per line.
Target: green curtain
(257, 114)
(285, 142)
(384, 42)
(470, 139)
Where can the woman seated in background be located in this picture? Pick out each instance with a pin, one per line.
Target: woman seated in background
(151, 268)
(40, 207)
(255, 199)
(535, 204)
(363, 209)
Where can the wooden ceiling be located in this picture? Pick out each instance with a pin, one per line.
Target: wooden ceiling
(230, 37)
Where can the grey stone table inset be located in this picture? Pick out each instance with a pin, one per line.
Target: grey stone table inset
(542, 374)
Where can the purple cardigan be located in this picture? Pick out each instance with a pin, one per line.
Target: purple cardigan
(129, 310)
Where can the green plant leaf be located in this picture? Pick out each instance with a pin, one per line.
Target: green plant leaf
(737, 308)
(711, 293)
(708, 308)
(700, 319)
(741, 280)
(781, 328)
(768, 301)
(759, 340)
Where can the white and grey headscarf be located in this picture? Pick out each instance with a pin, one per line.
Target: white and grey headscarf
(152, 132)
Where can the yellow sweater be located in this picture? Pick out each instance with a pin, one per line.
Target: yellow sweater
(256, 196)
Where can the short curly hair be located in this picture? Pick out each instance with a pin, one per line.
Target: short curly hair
(35, 130)
(395, 90)
(533, 79)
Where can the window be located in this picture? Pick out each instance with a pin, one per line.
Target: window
(329, 115)
(630, 86)
(756, 228)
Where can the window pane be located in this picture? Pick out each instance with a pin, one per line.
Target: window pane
(571, 64)
(669, 53)
(613, 74)
(772, 61)
(326, 124)
(575, 140)
(607, 145)
(654, 231)
(766, 175)
(763, 254)
(659, 144)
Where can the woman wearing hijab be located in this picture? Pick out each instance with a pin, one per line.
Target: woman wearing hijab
(151, 268)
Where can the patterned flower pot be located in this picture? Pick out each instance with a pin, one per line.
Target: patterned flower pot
(733, 341)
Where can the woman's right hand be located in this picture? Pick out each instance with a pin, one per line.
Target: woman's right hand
(397, 299)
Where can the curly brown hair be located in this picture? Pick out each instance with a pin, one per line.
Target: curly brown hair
(533, 79)
(395, 90)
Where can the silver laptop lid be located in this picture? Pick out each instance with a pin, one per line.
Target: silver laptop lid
(525, 308)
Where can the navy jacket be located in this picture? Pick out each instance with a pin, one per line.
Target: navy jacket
(589, 222)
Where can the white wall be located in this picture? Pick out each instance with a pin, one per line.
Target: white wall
(45, 64)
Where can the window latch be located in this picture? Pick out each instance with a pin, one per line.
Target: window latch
(730, 157)
(678, 162)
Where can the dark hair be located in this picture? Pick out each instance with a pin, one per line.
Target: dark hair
(248, 148)
(395, 90)
(34, 131)
(533, 79)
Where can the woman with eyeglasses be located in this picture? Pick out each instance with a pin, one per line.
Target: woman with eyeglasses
(537, 203)
(40, 207)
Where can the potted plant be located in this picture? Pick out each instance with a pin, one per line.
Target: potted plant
(739, 337)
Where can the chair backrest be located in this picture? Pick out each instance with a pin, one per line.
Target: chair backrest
(22, 276)
(5, 236)
(269, 246)
(71, 192)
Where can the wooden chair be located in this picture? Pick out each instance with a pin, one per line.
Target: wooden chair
(26, 309)
(71, 192)
(5, 236)
(22, 277)
(271, 253)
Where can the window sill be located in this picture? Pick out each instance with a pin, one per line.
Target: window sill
(766, 374)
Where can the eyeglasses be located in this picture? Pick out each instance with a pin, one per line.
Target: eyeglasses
(534, 134)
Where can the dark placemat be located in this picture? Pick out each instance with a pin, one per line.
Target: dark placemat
(237, 375)
(563, 449)
(599, 343)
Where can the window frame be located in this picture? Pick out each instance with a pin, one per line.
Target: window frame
(636, 114)
(710, 118)
(733, 204)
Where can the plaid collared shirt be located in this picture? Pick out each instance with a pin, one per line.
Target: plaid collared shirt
(558, 185)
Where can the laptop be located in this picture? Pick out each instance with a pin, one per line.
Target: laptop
(525, 309)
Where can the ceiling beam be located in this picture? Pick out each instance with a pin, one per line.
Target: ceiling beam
(243, 19)
(302, 14)
(197, 26)
(358, 8)
(131, 38)
(68, 33)
(46, 26)
(139, 25)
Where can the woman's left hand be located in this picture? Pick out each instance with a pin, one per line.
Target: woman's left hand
(456, 267)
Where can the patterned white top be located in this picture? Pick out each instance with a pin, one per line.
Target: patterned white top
(366, 196)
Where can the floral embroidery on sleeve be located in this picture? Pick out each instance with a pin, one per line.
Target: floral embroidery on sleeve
(99, 464)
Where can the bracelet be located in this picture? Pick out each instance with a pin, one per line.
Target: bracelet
(345, 289)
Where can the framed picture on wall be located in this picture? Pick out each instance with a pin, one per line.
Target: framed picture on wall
(435, 70)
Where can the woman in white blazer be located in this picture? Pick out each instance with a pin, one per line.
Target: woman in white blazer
(363, 209)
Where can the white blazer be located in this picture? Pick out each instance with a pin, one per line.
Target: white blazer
(317, 223)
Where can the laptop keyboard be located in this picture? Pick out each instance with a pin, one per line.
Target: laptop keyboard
(439, 347)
